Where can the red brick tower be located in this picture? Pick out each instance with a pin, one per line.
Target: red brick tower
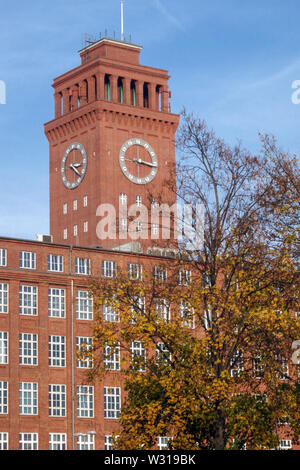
(111, 142)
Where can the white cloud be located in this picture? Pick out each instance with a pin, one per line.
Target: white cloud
(171, 18)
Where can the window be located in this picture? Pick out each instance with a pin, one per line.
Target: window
(159, 273)
(28, 441)
(155, 228)
(137, 308)
(109, 269)
(82, 266)
(57, 441)
(112, 402)
(84, 344)
(56, 302)
(257, 365)
(112, 357)
(110, 313)
(3, 347)
(84, 305)
(185, 277)
(57, 351)
(187, 314)
(27, 300)
(28, 398)
(86, 442)
(138, 356)
(65, 234)
(133, 93)
(3, 298)
(85, 227)
(163, 355)
(55, 263)
(284, 372)
(57, 400)
(139, 201)
(85, 401)
(27, 260)
(237, 364)
(28, 349)
(3, 257)
(123, 225)
(109, 443)
(123, 199)
(3, 440)
(163, 310)
(75, 205)
(85, 201)
(135, 272)
(120, 90)
(75, 231)
(164, 442)
(139, 227)
(107, 87)
(3, 398)
(65, 208)
(285, 445)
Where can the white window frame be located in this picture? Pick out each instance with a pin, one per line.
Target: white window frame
(110, 314)
(57, 400)
(4, 439)
(3, 257)
(135, 271)
(137, 349)
(163, 310)
(237, 364)
(112, 358)
(160, 273)
(123, 199)
(112, 402)
(86, 442)
(85, 401)
(82, 266)
(84, 305)
(84, 343)
(285, 444)
(28, 441)
(85, 227)
(28, 398)
(75, 205)
(138, 201)
(163, 442)
(28, 349)
(27, 260)
(55, 263)
(3, 397)
(109, 269)
(65, 234)
(28, 300)
(185, 277)
(56, 302)
(187, 314)
(57, 441)
(4, 297)
(65, 208)
(85, 201)
(4, 347)
(162, 354)
(75, 230)
(57, 351)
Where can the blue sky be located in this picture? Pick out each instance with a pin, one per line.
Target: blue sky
(232, 62)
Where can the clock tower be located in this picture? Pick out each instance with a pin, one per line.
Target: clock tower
(112, 150)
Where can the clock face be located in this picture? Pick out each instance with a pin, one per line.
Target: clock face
(138, 161)
(73, 165)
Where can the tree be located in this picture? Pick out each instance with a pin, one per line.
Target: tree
(218, 372)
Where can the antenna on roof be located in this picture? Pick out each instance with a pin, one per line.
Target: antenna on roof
(122, 20)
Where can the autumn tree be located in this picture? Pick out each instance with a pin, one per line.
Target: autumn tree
(205, 339)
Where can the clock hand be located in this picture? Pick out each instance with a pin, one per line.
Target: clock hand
(74, 169)
(138, 160)
(76, 165)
